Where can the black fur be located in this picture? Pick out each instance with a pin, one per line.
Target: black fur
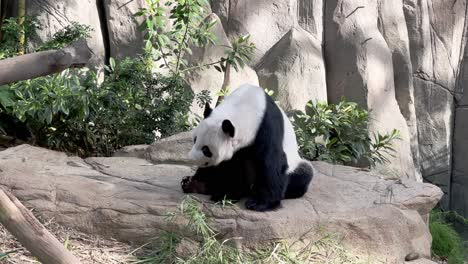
(257, 171)
(228, 128)
(207, 111)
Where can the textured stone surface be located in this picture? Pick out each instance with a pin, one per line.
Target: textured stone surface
(210, 79)
(436, 42)
(128, 198)
(55, 15)
(294, 69)
(125, 39)
(360, 66)
(265, 20)
(171, 150)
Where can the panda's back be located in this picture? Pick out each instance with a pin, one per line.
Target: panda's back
(257, 115)
(245, 108)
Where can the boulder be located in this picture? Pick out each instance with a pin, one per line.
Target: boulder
(294, 69)
(210, 79)
(125, 39)
(310, 17)
(361, 67)
(265, 20)
(437, 41)
(55, 15)
(170, 150)
(128, 199)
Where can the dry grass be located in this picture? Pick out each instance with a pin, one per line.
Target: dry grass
(89, 249)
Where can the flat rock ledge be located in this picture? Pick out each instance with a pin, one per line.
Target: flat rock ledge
(128, 198)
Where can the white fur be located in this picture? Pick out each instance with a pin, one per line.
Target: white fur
(290, 146)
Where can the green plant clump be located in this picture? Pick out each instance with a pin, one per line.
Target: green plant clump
(447, 244)
(208, 249)
(338, 133)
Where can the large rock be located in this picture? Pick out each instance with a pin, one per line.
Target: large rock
(128, 198)
(361, 67)
(294, 69)
(125, 39)
(459, 182)
(55, 15)
(265, 20)
(436, 30)
(211, 79)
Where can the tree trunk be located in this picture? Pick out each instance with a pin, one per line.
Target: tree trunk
(226, 81)
(21, 223)
(3, 11)
(21, 17)
(42, 63)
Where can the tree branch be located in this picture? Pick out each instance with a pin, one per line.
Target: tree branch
(201, 66)
(21, 223)
(43, 63)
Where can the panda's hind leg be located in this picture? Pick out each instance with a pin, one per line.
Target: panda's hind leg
(299, 181)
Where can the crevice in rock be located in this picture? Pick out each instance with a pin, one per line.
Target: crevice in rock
(104, 29)
(435, 83)
(459, 91)
(324, 12)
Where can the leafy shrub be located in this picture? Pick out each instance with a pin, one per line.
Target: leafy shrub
(338, 133)
(11, 31)
(136, 103)
(446, 242)
(69, 111)
(67, 35)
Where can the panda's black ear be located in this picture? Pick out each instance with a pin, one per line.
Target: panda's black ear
(228, 128)
(207, 111)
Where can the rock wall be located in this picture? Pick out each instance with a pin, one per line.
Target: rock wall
(402, 59)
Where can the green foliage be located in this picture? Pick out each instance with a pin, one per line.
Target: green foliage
(10, 44)
(67, 35)
(446, 242)
(135, 103)
(240, 53)
(338, 133)
(187, 28)
(69, 111)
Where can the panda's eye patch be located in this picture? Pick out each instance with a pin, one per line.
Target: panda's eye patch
(206, 151)
(195, 140)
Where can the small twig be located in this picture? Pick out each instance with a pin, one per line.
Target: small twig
(183, 39)
(200, 66)
(356, 9)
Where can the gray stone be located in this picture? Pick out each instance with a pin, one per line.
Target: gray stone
(211, 79)
(171, 150)
(55, 15)
(294, 69)
(392, 26)
(265, 20)
(436, 42)
(125, 39)
(360, 67)
(129, 198)
(310, 17)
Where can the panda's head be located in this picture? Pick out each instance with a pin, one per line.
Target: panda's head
(213, 141)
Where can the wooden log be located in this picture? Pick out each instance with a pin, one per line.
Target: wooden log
(43, 63)
(22, 224)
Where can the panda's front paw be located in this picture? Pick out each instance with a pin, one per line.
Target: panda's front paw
(192, 185)
(261, 206)
(186, 184)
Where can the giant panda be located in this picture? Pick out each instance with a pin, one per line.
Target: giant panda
(246, 147)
